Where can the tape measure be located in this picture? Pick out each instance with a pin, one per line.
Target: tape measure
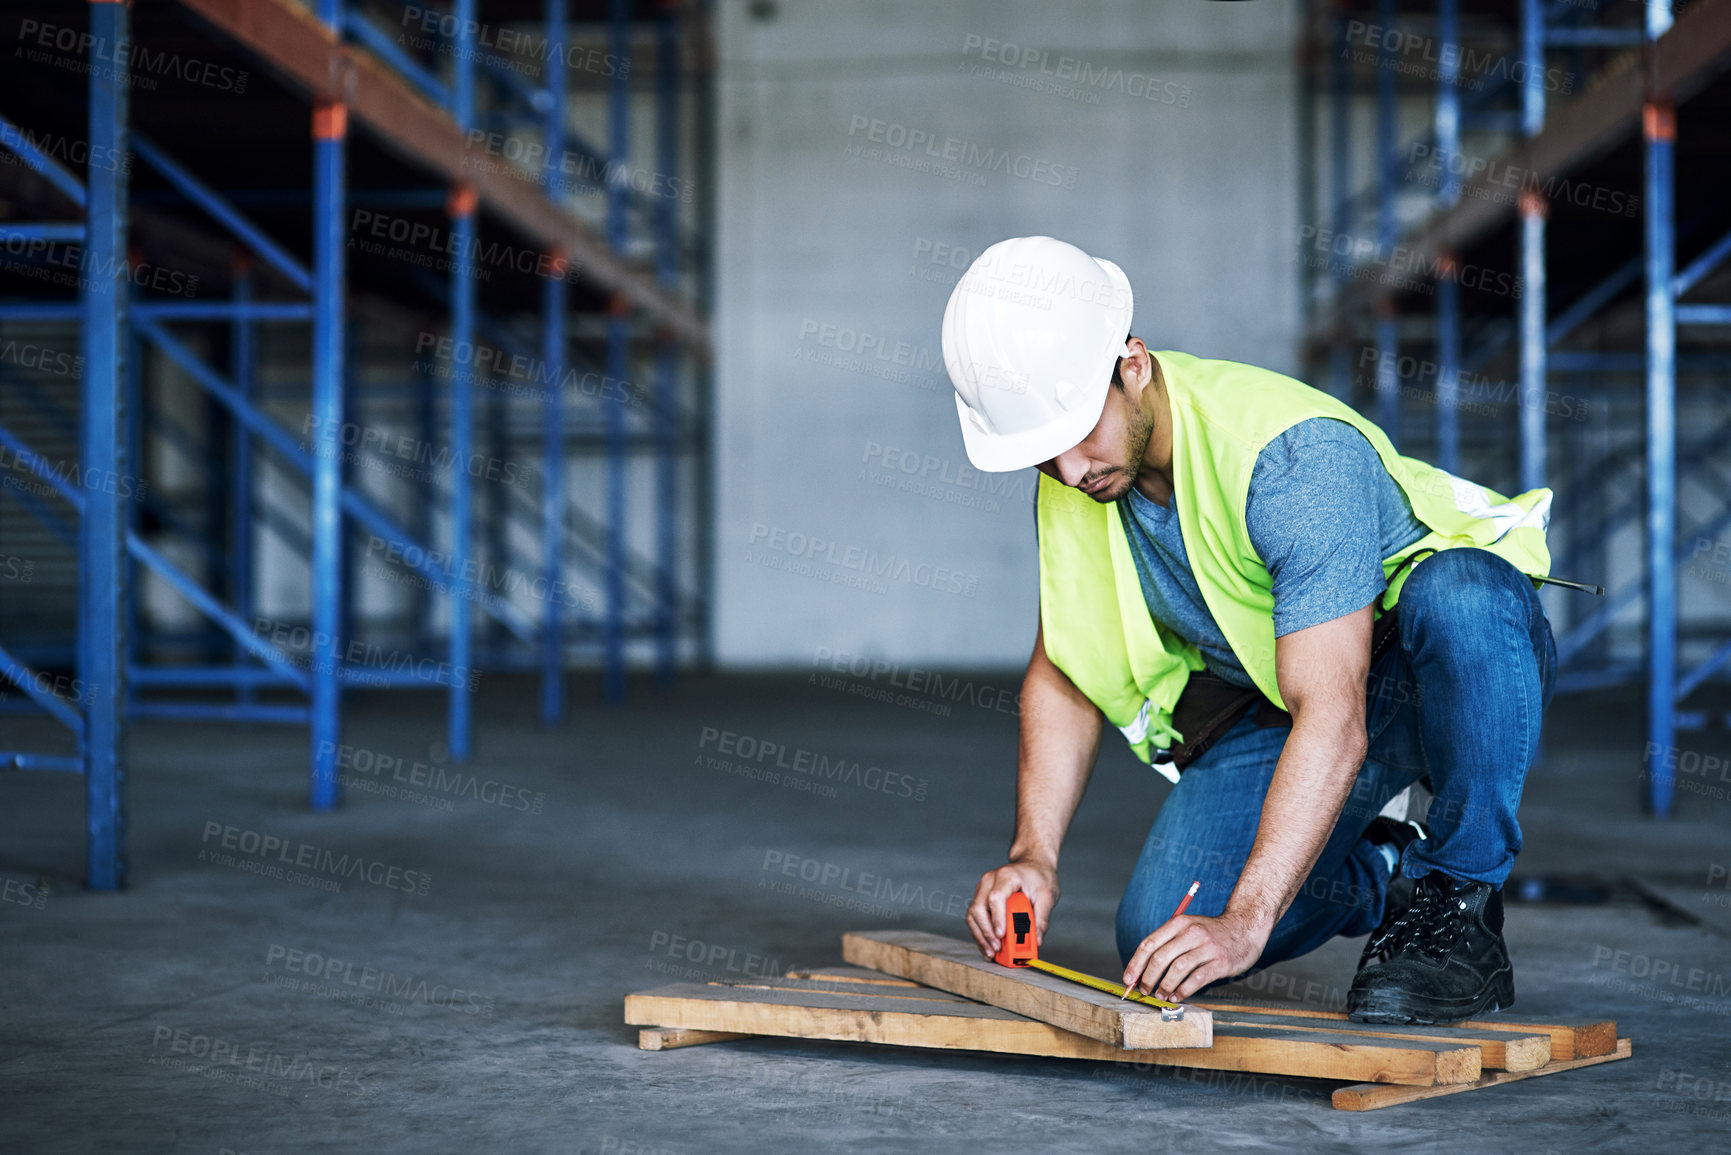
(1020, 950)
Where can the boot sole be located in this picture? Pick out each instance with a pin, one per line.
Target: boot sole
(1396, 1007)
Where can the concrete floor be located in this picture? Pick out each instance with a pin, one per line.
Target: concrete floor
(232, 1001)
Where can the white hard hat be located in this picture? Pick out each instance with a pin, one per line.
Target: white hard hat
(1031, 336)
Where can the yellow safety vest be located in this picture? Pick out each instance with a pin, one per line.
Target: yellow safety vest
(1096, 624)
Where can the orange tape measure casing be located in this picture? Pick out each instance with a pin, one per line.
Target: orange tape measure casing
(1018, 947)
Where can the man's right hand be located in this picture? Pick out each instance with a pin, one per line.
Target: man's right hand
(1038, 880)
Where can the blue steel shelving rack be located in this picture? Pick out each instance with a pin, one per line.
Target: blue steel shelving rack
(97, 718)
(1669, 49)
(114, 417)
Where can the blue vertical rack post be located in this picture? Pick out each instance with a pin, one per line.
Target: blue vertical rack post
(330, 132)
(553, 404)
(1532, 209)
(702, 17)
(618, 356)
(1446, 124)
(1448, 339)
(102, 549)
(136, 382)
(1340, 186)
(1659, 133)
(462, 210)
(667, 90)
(1387, 323)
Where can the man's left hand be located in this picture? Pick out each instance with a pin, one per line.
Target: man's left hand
(1189, 952)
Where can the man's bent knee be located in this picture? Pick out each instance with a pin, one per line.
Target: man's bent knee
(1466, 584)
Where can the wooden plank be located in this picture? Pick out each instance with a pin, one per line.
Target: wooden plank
(670, 1038)
(1498, 1050)
(1591, 1039)
(859, 1017)
(1510, 1047)
(910, 992)
(1570, 1038)
(1369, 1097)
(956, 966)
(1318, 1055)
(851, 1017)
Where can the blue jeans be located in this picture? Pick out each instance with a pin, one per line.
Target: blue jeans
(1459, 698)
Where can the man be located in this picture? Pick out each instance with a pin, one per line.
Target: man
(1244, 577)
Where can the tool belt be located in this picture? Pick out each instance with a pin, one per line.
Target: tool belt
(1210, 705)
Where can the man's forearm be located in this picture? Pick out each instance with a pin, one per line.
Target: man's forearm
(1310, 786)
(1060, 737)
(1321, 671)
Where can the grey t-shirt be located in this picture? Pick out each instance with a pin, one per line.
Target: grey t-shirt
(1322, 513)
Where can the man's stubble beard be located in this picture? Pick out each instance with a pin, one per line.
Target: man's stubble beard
(1135, 445)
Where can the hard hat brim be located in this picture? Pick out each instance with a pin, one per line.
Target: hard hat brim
(998, 453)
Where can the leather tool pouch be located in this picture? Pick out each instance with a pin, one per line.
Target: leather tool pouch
(1210, 706)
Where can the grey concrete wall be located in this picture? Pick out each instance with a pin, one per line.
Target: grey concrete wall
(1161, 135)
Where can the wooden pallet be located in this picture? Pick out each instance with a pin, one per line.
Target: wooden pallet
(1385, 1065)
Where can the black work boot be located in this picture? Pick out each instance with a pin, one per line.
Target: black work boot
(1440, 961)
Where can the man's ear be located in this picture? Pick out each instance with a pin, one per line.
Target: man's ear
(1140, 362)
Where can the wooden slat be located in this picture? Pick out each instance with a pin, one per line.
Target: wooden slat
(1570, 1038)
(1511, 1046)
(905, 992)
(859, 1017)
(1369, 1097)
(670, 1038)
(1318, 1055)
(850, 1017)
(956, 966)
(1498, 1050)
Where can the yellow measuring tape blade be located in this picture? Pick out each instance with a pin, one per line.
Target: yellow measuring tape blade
(1110, 988)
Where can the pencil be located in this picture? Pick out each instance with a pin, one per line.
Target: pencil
(1182, 907)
